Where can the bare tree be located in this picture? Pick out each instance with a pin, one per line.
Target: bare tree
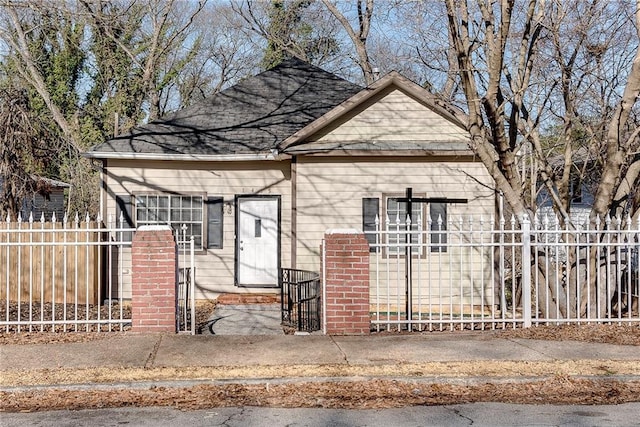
(359, 34)
(226, 53)
(160, 29)
(526, 68)
(25, 147)
(44, 52)
(86, 62)
(484, 36)
(288, 28)
(15, 34)
(506, 108)
(622, 141)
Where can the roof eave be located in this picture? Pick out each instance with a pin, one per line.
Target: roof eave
(374, 153)
(239, 157)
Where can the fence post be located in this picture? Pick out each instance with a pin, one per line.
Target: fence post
(154, 270)
(346, 279)
(526, 271)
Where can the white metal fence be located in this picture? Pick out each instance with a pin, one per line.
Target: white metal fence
(487, 274)
(64, 275)
(76, 276)
(186, 314)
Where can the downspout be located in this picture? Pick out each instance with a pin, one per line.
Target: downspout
(103, 190)
(294, 211)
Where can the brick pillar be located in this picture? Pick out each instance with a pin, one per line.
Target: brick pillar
(154, 279)
(347, 283)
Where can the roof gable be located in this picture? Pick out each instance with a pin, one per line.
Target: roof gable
(254, 116)
(391, 114)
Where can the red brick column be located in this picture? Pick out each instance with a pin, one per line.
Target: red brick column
(346, 281)
(153, 290)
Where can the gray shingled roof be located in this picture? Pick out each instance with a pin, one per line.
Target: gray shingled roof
(254, 116)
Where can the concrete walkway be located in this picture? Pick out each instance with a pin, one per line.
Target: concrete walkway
(245, 319)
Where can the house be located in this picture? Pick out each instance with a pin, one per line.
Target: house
(47, 201)
(582, 186)
(259, 171)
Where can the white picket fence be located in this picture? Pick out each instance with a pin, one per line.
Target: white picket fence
(487, 274)
(76, 276)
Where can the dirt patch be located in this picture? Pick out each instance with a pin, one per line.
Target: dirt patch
(57, 335)
(609, 334)
(493, 369)
(47, 312)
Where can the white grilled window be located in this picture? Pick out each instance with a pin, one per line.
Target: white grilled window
(174, 210)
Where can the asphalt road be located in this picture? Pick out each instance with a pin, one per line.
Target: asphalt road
(477, 414)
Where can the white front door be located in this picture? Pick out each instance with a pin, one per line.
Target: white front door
(257, 241)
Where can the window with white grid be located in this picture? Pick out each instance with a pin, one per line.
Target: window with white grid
(397, 237)
(174, 210)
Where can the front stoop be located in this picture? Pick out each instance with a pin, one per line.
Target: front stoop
(239, 299)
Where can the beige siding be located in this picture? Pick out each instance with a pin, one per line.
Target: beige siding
(330, 192)
(455, 281)
(329, 195)
(214, 267)
(395, 117)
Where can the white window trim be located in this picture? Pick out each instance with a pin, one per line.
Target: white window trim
(399, 250)
(173, 223)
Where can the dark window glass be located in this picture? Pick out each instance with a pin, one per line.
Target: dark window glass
(214, 222)
(370, 209)
(438, 216)
(124, 216)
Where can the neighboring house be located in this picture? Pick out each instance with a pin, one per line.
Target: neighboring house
(259, 172)
(581, 190)
(48, 201)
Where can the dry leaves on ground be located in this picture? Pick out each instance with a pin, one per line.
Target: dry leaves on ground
(608, 334)
(203, 312)
(376, 393)
(379, 393)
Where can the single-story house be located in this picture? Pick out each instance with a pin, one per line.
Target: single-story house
(47, 200)
(259, 171)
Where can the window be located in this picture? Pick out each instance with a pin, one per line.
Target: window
(124, 217)
(576, 189)
(438, 226)
(396, 236)
(174, 210)
(202, 217)
(434, 228)
(370, 210)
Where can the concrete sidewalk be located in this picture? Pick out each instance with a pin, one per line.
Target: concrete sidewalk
(227, 357)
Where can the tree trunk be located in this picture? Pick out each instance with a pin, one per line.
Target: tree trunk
(617, 147)
(33, 75)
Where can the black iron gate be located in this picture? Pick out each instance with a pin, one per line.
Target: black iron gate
(300, 299)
